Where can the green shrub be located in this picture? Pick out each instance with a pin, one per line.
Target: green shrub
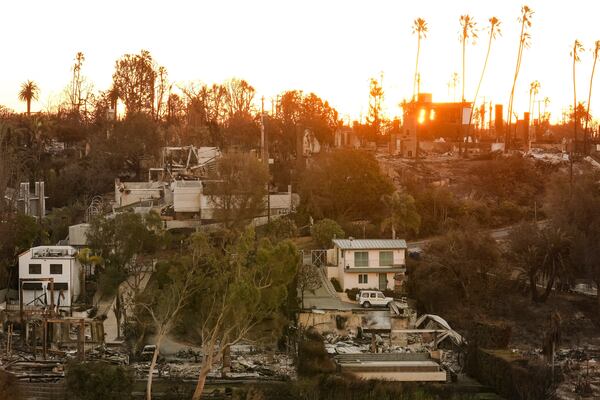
(98, 381)
(324, 231)
(336, 285)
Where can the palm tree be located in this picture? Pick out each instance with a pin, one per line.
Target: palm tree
(402, 214)
(494, 31)
(577, 47)
(421, 29)
(546, 102)
(524, 38)
(534, 90)
(468, 30)
(29, 91)
(596, 51)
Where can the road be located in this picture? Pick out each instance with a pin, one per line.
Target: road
(497, 234)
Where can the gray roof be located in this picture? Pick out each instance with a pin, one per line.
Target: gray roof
(369, 244)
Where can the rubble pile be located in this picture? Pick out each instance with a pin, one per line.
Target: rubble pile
(581, 370)
(246, 362)
(336, 344)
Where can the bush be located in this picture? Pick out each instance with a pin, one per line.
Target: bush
(336, 285)
(279, 229)
(110, 279)
(324, 231)
(98, 381)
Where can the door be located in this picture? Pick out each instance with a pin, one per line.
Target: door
(383, 281)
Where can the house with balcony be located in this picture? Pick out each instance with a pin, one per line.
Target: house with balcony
(367, 263)
(50, 275)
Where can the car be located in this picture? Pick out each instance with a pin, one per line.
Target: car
(373, 298)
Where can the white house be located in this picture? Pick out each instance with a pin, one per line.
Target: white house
(368, 263)
(43, 262)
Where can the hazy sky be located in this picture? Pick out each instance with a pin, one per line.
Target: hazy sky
(329, 47)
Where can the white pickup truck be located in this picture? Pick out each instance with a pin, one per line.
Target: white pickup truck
(369, 298)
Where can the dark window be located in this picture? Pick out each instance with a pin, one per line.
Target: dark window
(56, 269)
(32, 286)
(59, 286)
(35, 269)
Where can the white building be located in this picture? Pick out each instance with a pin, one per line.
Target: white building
(43, 262)
(367, 263)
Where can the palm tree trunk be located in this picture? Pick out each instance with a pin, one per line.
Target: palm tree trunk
(512, 91)
(574, 104)
(28, 107)
(585, 132)
(416, 68)
(464, 44)
(485, 63)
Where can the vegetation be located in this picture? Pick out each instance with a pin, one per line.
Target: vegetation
(324, 231)
(98, 381)
(344, 185)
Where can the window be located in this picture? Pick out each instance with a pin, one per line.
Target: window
(380, 296)
(361, 259)
(56, 269)
(35, 269)
(372, 295)
(363, 278)
(386, 258)
(365, 295)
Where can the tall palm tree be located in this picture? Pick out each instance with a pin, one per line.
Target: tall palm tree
(546, 102)
(494, 31)
(534, 90)
(524, 38)
(468, 30)
(420, 28)
(596, 52)
(29, 91)
(577, 48)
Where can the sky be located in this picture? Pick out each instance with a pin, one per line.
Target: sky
(328, 47)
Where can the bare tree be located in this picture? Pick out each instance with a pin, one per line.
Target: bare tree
(308, 279)
(164, 303)
(238, 95)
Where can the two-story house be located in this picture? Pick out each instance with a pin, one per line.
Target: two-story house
(368, 263)
(43, 262)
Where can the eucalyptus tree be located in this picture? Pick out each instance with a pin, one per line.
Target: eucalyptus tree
(524, 40)
(419, 28)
